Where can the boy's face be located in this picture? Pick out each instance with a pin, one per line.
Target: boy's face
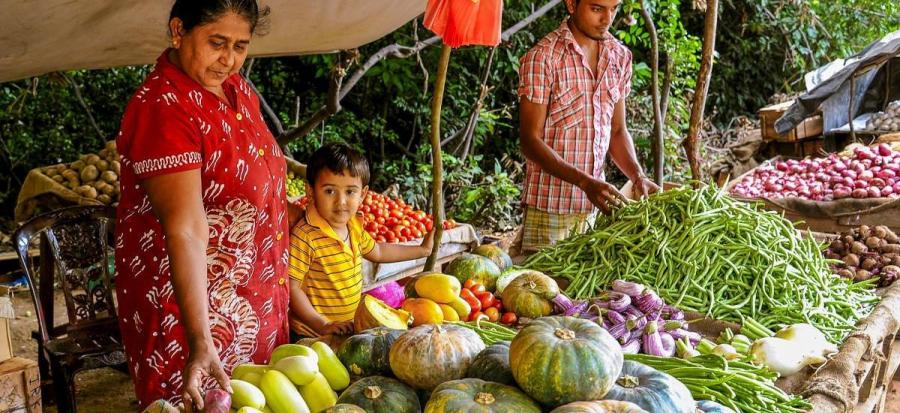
(337, 196)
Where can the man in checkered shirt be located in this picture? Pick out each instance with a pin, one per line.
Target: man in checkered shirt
(572, 90)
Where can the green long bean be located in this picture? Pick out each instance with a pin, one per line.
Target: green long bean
(706, 252)
(741, 386)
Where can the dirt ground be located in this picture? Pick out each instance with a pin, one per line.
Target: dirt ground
(108, 390)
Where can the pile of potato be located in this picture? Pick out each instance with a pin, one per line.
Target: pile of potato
(889, 120)
(94, 176)
(867, 252)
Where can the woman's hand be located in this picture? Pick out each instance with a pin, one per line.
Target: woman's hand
(203, 361)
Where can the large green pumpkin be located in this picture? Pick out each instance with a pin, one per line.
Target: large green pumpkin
(651, 389)
(559, 360)
(495, 254)
(476, 395)
(377, 394)
(492, 364)
(474, 267)
(530, 294)
(430, 354)
(599, 406)
(366, 353)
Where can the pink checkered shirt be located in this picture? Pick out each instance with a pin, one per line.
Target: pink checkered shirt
(579, 112)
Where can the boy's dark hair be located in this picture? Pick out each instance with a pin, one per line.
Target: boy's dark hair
(195, 13)
(339, 159)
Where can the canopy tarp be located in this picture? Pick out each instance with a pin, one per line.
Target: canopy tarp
(41, 36)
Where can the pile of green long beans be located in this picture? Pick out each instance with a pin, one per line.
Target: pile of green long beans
(741, 386)
(706, 252)
(489, 332)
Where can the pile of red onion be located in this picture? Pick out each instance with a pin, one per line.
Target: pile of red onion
(636, 317)
(869, 173)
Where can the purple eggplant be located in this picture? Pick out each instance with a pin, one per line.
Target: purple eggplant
(632, 310)
(620, 332)
(628, 288)
(633, 346)
(618, 301)
(578, 309)
(671, 313)
(651, 341)
(562, 303)
(668, 344)
(615, 317)
(649, 302)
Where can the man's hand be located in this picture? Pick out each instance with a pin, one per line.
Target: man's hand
(341, 328)
(602, 195)
(645, 187)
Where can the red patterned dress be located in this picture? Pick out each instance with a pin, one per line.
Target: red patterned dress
(172, 124)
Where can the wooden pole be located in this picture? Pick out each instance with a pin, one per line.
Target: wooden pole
(691, 146)
(437, 166)
(657, 146)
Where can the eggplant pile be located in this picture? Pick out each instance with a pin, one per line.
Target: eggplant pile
(636, 317)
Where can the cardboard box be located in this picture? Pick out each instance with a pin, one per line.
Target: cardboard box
(810, 127)
(20, 386)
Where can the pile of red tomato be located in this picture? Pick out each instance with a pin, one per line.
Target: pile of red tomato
(392, 220)
(485, 304)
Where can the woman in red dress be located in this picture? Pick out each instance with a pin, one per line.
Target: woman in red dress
(201, 250)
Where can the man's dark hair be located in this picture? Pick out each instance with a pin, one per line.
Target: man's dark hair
(339, 159)
(195, 13)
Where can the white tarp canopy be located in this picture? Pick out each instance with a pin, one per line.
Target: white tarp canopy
(41, 36)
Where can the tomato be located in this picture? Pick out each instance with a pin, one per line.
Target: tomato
(509, 318)
(478, 288)
(492, 313)
(498, 305)
(487, 299)
(396, 213)
(391, 222)
(421, 227)
(471, 299)
(390, 237)
(416, 233)
(428, 225)
(371, 227)
(474, 315)
(380, 220)
(380, 239)
(469, 283)
(405, 231)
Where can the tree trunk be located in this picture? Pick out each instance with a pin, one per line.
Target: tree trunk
(437, 173)
(657, 146)
(691, 144)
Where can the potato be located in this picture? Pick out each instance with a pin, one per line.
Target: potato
(96, 184)
(111, 146)
(108, 189)
(70, 174)
(78, 165)
(109, 177)
(58, 178)
(102, 165)
(88, 192)
(115, 166)
(104, 198)
(91, 159)
(89, 173)
(73, 184)
(103, 153)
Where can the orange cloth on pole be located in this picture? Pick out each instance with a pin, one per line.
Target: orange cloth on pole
(465, 22)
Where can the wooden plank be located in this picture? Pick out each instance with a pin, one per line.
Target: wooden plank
(875, 402)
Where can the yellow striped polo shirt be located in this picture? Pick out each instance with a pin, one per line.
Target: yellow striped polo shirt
(330, 270)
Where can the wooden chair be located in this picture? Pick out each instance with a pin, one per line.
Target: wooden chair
(75, 252)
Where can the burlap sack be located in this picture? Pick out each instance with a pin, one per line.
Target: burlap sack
(40, 191)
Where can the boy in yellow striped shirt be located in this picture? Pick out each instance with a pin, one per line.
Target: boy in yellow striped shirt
(328, 244)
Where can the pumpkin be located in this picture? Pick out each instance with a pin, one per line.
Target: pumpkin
(492, 364)
(345, 408)
(431, 354)
(599, 406)
(558, 360)
(366, 353)
(423, 311)
(507, 276)
(377, 394)
(709, 406)
(476, 395)
(529, 295)
(373, 312)
(651, 389)
(495, 254)
(474, 267)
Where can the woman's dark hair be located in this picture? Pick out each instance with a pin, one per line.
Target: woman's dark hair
(339, 159)
(195, 13)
